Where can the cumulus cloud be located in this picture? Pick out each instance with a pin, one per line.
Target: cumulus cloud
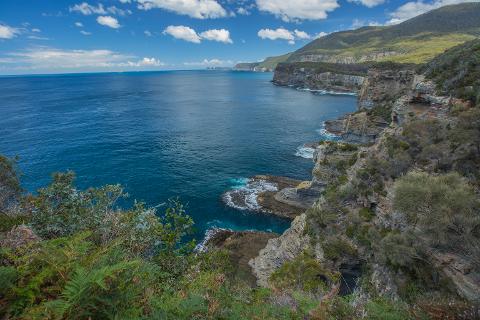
(183, 33)
(415, 8)
(79, 24)
(243, 11)
(85, 33)
(88, 9)
(368, 3)
(7, 32)
(108, 21)
(147, 33)
(357, 23)
(220, 35)
(210, 63)
(190, 35)
(145, 62)
(293, 10)
(283, 34)
(279, 33)
(44, 58)
(320, 35)
(200, 9)
(301, 35)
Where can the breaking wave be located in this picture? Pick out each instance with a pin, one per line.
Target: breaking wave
(244, 196)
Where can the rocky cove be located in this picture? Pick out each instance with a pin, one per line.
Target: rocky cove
(389, 99)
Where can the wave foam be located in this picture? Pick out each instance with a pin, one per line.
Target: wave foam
(326, 135)
(209, 234)
(245, 197)
(322, 92)
(305, 152)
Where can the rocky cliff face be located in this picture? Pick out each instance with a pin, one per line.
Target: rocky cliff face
(357, 190)
(347, 59)
(382, 87)
(312, 79)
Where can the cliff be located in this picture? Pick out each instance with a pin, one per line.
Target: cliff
(324, 76)
(407, 143)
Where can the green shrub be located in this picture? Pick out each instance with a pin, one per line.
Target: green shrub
(303, 273)
(335, 247)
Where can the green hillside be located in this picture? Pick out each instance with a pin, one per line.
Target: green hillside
(457, 71)
(414, 41)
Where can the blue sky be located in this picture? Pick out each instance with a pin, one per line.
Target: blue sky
(59, 36)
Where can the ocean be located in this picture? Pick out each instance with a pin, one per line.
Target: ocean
(162, 135)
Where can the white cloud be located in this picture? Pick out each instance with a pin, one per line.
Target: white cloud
(183, 33)
(108, 22)
(44, 58)
(87, 9)
(85, 33)
(200, 9)
(357, 23)
(284, 34)
(220, 35)
(125, 1)
(37, 38)
(36, 30)
(79, 24)
(147, 33)
(243, 11)
(190, 35)
(117, 11)
(368, 3)
(320, 35)
(279, 33)
(292, 10)
(210, 63)
(415, 8)
(145, 62)
(301, 35)
(7, 32)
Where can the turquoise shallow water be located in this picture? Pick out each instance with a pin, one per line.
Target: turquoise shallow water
(192, 134)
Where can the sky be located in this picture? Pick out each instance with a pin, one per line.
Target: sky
(63, 36)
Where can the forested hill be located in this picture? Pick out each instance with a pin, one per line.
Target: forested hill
(415, 41)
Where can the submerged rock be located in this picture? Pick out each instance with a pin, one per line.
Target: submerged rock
(261, 193)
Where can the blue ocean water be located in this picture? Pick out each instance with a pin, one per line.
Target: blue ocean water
(191, 134)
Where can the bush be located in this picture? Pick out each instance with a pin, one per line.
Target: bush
(303, 273)
(444, 208)
(10, 190)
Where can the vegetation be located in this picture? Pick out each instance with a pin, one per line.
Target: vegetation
(457, 71)
(414, 41)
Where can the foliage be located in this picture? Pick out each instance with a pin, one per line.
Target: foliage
(303, 273)
(10, 189)
(457, 71)
(417, 40)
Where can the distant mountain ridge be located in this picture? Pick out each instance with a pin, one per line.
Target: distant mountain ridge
(267, 65)
(413, 41)
(416, 40)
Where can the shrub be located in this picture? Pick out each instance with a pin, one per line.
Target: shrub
(10, 190)
(303, 273)
(444, 208)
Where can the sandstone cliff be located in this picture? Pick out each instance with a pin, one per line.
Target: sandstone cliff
(354, 220)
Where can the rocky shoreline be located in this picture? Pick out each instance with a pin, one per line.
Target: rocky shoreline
(387, 100)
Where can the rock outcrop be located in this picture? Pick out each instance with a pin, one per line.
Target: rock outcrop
(320, 78)
(280, 250)
(383, 87)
